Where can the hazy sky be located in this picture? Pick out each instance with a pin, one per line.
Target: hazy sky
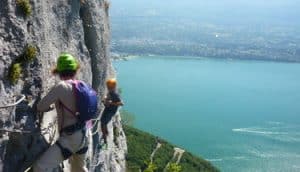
(226, 11)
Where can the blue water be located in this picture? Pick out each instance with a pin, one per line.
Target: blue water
(240, 115)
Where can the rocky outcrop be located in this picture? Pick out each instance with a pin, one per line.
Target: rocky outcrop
(80, 27)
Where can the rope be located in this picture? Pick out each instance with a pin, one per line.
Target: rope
(96, 122)
(96, 158)
(14, 130)
(14, 104)
(98, 128)
(43, 131)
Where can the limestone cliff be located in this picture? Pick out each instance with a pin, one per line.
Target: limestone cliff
(80, 27)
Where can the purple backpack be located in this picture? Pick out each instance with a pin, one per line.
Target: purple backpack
(86, 101)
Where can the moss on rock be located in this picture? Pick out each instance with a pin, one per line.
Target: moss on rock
(30, 53)
(15, 73)
(25, 6)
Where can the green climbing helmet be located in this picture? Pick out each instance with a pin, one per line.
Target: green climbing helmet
(66, 62)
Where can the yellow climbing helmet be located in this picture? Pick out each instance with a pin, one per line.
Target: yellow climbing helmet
(111, 83)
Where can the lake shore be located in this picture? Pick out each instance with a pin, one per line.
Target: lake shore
(126, 57)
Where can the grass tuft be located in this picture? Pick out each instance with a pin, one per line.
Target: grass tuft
(15, 73)
(25, 6)
(30, 53)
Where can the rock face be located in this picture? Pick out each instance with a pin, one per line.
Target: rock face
(80, 27)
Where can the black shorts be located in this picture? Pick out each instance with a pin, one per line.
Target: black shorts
(106, 117)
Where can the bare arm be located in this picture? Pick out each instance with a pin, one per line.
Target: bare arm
(117, 103)
(45, 104)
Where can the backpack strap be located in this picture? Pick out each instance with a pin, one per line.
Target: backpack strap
(68, 109)
(73, 83)
(62, 116)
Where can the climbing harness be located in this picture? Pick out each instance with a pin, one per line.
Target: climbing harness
(69, 131)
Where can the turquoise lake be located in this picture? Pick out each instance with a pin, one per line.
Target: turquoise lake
(243, 116)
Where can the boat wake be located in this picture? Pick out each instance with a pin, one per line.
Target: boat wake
(257, 131)
(214, 160)
(275, 131)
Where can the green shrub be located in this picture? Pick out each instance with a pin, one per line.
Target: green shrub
(151, 167)
(25, 6)
(163, 155)
(30, 53)
(190, 163)
(173, 167)
(15, 73)
(141, 145)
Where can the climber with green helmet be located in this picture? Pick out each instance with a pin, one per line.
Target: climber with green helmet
(74, 136)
